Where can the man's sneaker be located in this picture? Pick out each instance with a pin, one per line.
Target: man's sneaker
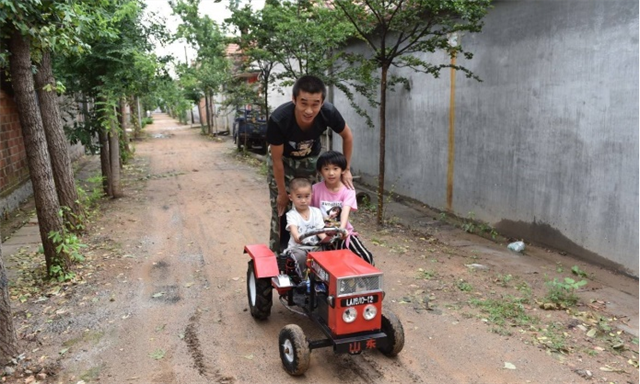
(321, 288)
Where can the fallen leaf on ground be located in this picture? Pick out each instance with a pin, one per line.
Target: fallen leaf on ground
(607, 368)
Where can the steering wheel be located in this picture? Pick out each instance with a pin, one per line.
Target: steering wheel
(331, 233)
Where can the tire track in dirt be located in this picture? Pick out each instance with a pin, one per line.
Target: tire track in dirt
(193, 344)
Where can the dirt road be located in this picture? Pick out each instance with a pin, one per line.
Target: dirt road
(165, 293)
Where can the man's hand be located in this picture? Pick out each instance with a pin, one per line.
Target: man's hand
(282, 201)
(347, 179)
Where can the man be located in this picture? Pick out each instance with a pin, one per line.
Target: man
(293, 134)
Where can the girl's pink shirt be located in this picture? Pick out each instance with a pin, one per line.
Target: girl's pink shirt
(325, 200)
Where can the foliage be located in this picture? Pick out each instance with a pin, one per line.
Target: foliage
(469, 226)
(68, 245)
(578, 272)
(399, 33)
(563, 293)
(146, 121)
(503, 280)
(211, 68)
(120, 63)
(464, 286)
(84, 131)
(89, 199)
(304, 37)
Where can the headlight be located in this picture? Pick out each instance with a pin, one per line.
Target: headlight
(370, 312)
(349, 315)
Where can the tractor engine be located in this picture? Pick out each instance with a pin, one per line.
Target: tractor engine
(354, 292)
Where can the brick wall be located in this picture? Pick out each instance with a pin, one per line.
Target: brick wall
(14, 170)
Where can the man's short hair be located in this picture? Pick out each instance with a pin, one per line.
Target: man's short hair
(331, 158)
(310, 84)
(299, 182)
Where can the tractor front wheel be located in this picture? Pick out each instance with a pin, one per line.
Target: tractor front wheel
(259, 293)
(294, 350)
(395, 334)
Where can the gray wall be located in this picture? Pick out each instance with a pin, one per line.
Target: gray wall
(546, 147)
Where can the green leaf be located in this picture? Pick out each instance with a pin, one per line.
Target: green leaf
(158, 354)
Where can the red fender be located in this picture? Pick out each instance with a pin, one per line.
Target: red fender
(264, 260)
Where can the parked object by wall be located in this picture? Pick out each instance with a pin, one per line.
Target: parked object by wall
(546, 147)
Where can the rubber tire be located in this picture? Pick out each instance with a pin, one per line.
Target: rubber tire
(395, 334)
(294, 350)
(259, 294)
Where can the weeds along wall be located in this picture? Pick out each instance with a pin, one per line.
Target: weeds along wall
(546, 147)
(14, 170)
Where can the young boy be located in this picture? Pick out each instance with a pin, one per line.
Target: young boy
(331, 194)
(302, 218)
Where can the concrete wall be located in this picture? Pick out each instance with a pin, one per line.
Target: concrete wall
(546, 147)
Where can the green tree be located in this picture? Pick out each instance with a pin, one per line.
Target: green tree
(397, 32)
(304, 37)
(119, 65)
(27, 28)
(204, 35)
(255, 38)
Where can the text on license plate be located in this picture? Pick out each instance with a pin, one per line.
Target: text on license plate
(362, 300)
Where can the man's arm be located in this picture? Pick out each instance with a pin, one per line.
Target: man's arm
(347, 149)
(278, 174)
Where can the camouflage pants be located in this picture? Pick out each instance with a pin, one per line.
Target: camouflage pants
(292, 168)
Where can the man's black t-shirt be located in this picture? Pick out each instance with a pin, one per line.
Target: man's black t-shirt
(283, 129)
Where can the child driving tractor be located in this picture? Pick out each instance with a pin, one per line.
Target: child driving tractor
(302, 218)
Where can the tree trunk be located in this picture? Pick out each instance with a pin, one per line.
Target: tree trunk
(57, 143)
(214, 121)
(122, 120)
(383, 121)
(105, 155)
(135, 116)
(114, 159)
(8, 340)
(44, 191)
(105, 162)
(206, 104)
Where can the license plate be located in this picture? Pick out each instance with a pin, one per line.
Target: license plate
(355, 301)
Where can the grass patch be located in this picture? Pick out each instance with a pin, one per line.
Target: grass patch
(91, 375)
(426, 274)
(562, 293)
(505, 312)
(503, 280)
(464, 286)
(553, 337)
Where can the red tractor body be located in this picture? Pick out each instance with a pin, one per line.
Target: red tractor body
(343, 296)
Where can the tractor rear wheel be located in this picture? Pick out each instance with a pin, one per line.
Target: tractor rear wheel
(294, 350)
(259, 294)
(395, 334)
